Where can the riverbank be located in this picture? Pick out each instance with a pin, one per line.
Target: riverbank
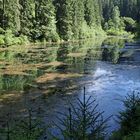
(7, 38)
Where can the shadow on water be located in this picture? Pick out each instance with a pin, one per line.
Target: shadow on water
(49, 76)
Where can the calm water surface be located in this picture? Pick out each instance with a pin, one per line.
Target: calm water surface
(49, 77)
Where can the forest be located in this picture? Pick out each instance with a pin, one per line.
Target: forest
(24, 21)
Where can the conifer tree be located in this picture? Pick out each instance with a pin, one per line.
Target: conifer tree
(67, 19)
(64, 18)
(78, 18)
(90, 12)
(116, 17)
(2, 13)
(27, 16)
(45, 20)
(10, 12)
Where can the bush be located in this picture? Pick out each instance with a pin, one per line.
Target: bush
(17, 40)
(52, 37)
(129, 119)
(133, 136)
(130, 24)
(24, 39)
(9, 38)
(122, 33)
(2, 42)
(2, 31)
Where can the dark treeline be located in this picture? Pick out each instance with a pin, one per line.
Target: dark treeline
(128, 8)
(54, 20)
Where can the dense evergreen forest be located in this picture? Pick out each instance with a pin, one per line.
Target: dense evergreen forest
(58, 20)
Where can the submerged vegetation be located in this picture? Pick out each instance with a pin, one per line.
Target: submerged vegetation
(28, 65)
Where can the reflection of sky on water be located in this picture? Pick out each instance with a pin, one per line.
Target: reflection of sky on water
(110, 84)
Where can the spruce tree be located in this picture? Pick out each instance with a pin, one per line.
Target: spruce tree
(90, 12)
(78, 18)
(27, 16)
(10, 15)
(116, 17)
(64, 18)
(2, 13)
(45, 20)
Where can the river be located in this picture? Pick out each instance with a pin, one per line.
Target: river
(49, 77)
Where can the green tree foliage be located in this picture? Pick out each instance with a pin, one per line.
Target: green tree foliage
(129, 119)
(64, 18)
(27, 16)
(2, 11)
(10, 14)
(83, 121)
(138, 29)
(13, 15)
(78, 19)
(116, 18)
(115, 24)
(28, 127)
(54, 20)
(130, 24)
(128, 8)
(45, 21)
(107, 6)
(90, 15)
(118, 25)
